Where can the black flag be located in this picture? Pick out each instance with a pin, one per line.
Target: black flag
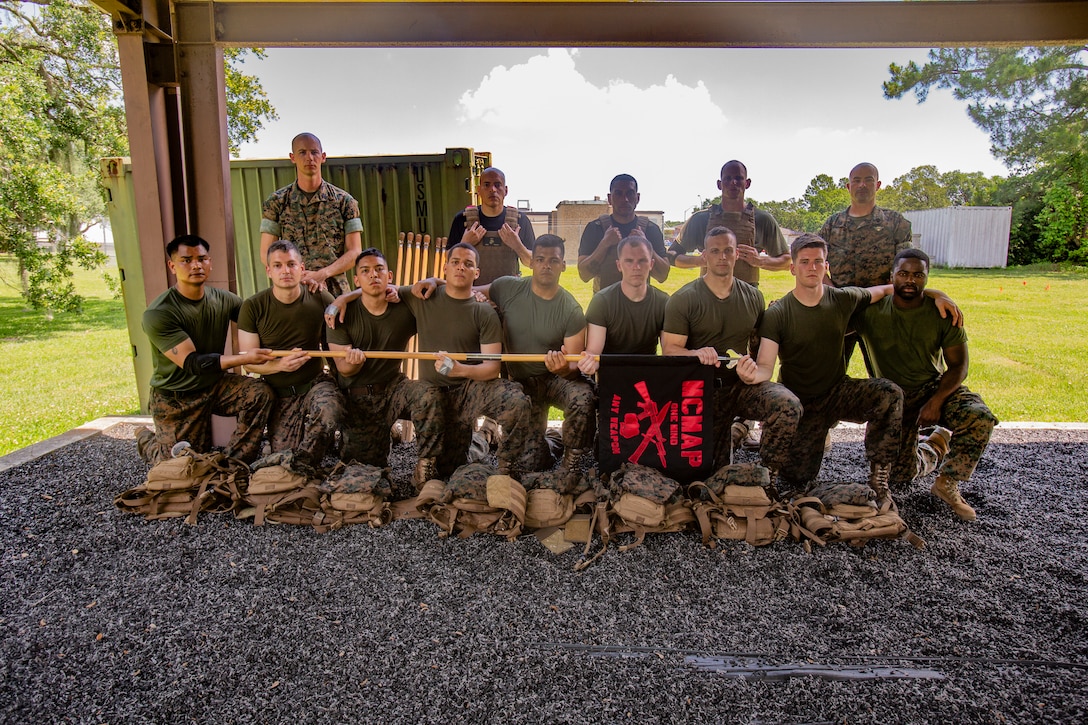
(657, 412)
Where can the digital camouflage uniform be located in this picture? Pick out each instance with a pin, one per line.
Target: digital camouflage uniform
(379, 394)
(965, 414)
(306, 421)
(578, 401)
(810, 343)
(729, 324)
(874, 401)
(532, 324)
(317, 225)
(463, 325)
(907, 347)
(503, 401)
(374, 409)
(860, 251)
(308, 407)
(182, 404)
(771, 403)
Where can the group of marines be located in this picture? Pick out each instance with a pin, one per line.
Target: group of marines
(859, 279)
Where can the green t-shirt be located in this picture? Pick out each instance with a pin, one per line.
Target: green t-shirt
(287, 326)
(633, 328)
(452, 325)
(810, 339)
(905, 345)
(533, 324)
(708, 321)
(172, 318)
(364, 331)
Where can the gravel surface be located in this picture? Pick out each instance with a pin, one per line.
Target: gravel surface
(106, 618)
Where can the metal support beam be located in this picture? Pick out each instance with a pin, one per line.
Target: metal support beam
(672, 23)
(145, 111)
(207, 157)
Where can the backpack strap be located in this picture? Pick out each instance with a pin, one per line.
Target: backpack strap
(605, 220)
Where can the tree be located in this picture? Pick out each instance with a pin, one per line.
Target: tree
(248, 106)
(823, 197)
(920, 188)
(1033, 102)
(58, 69)
(970, 188)
(60, 112)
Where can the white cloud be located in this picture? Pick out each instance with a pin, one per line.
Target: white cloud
(550, 128)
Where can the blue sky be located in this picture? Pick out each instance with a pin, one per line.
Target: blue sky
(562, 122)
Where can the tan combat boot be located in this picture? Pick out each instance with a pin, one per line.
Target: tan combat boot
(878, 481)
(572, 466)
(426, 469)
(948, 490)
(772, 485)
(940, 440)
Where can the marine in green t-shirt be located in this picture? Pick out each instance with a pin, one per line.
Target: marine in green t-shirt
(709, 317)
(450, 320)
(288, 317)
(804, 330)
(187, 326)
(625, 318)
(377, 392)
(912, 344)
(540, 317)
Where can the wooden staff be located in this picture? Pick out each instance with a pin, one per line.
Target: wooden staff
(462, 356)
(439, 256)
(400, 259)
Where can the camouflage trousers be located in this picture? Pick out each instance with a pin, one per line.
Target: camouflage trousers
(875, 401)
(771, 403)
(970, 421)
(578, 401)
(501, 400)
(372, 410)
(187, 416)
(306, 422)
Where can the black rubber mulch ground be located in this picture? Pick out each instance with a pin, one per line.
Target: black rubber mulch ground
(105, 618)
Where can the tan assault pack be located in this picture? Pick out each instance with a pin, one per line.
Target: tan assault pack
(187, 485)
(476, 500)
(283, 490)
(846, 512)
(735, 504)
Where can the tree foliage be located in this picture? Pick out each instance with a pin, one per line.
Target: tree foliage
(60, 111)
(1031, 101)
(248, 107)
(58, 71)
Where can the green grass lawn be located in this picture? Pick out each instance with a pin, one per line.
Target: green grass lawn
(57, 374)
(1028, 332)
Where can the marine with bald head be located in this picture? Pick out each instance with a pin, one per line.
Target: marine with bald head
(501, 235)
(321, 219)
(863, 239)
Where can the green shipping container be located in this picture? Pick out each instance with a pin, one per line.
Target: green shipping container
(416, 193)
(395, 193)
